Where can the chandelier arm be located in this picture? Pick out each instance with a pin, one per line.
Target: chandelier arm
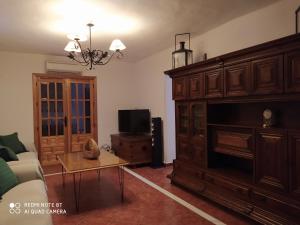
(83, 56)
(99, 56)
(107, 61)
(81, 62)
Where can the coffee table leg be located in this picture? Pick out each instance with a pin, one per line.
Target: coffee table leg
(121, 181)
(76, 194)
(63, 176)
(98, 173)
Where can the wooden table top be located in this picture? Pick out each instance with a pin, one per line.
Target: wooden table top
(74, 162)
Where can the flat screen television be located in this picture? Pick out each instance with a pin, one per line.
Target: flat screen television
(134, 121)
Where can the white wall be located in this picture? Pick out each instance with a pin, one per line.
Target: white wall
(114, 83)
(139, 85)
(271, 22)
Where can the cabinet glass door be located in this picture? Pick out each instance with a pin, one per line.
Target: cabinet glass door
(197, 119)
(198, 130)
(183, 118)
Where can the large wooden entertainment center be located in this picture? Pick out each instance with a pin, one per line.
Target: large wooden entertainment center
(222, 150)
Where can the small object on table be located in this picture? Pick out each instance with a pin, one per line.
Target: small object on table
(91, 150)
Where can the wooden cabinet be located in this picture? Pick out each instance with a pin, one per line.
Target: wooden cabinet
(179, 88)
(294, 157)
(222, 151)
(292, 71)
(135, 149)
(213, 83)
(271, 159)
(237, 80)
(268, 75)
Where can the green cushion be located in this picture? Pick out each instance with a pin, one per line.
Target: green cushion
(7, 177)
(12, 141)
(7, 154)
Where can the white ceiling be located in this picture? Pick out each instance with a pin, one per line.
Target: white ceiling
(144, 26)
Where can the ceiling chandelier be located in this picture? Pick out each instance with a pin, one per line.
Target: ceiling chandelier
(89, 56)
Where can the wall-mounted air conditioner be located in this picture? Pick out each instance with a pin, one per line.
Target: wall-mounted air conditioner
(52, 66)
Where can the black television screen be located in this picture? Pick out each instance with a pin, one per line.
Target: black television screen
(134, 121)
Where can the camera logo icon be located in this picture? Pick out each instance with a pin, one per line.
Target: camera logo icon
(14, 208)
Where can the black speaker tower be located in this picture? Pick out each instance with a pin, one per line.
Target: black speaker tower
(157, 143)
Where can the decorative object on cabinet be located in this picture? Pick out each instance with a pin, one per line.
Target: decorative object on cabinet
(297, 22)
(91, 150)
(222, 150)
(91, 56)
(268, 118)
(182, 56)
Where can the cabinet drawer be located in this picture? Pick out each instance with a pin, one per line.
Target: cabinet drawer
(236, 142)
(266, 201)
(142, 153)
(235, 188)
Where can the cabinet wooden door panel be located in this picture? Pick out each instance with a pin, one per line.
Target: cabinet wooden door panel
(292, 72)
(237, 80)
(198, 132)
(213, 83)
(268, 75)
(179, 88)
(196, 86)
(294, 157)
(271, 160)
(183, 150)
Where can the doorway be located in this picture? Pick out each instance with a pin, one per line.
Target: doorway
(65, 114)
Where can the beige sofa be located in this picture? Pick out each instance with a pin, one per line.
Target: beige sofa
(31, 189)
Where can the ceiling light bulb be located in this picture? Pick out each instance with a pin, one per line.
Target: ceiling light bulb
(72, 46)
(117, 45)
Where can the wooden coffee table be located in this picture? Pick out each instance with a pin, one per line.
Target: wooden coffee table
(74, 163)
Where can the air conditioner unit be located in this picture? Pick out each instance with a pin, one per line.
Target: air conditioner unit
(63, 67)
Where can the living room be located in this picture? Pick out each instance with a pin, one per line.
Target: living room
(143, 77)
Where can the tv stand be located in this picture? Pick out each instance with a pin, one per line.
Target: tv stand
(135, 148)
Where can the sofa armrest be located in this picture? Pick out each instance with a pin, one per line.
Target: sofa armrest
(27, 171)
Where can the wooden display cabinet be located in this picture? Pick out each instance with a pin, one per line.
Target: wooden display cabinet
(222, 150)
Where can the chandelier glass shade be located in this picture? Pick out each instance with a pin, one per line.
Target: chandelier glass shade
(91, 56)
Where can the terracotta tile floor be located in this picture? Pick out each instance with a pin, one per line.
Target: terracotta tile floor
(100, 202)
(159, 177)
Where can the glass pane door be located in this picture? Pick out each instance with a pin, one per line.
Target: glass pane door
(81, 112)
(52, 119)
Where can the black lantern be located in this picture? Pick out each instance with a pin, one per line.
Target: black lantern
(182, 56)
(296, 13)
